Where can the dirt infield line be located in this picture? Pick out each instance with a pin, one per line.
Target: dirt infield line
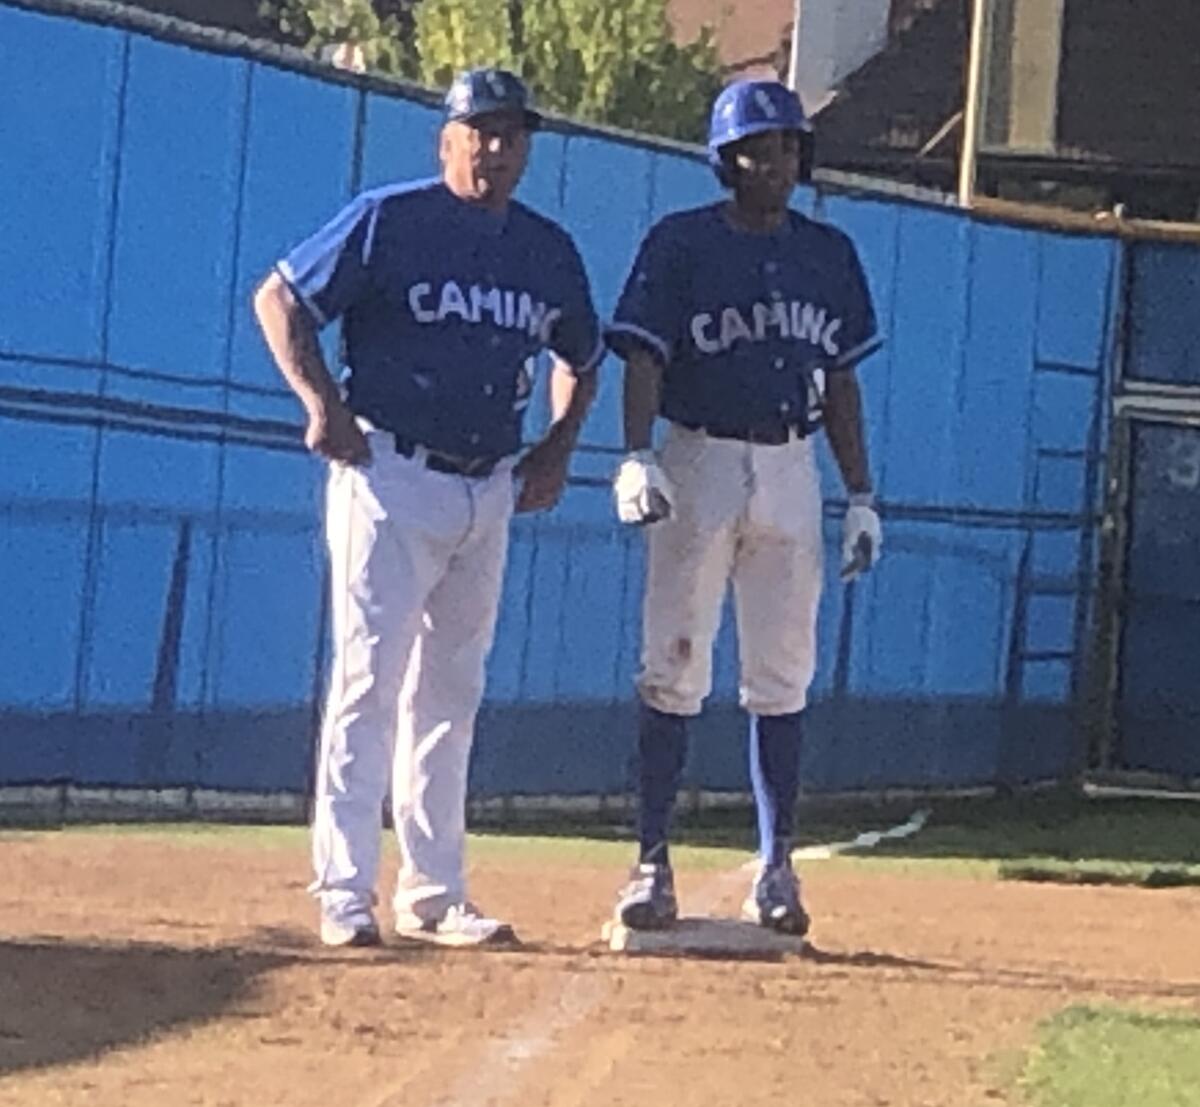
(496, 1077)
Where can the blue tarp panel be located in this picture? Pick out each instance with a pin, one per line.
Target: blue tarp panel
(161, 549)
(60, 125)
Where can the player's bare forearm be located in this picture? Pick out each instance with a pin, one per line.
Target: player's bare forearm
(291, 336)
(844, 426)
(643, 383)
(571, 397)
(543, 470)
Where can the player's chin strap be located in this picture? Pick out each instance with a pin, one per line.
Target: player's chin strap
(642, 491)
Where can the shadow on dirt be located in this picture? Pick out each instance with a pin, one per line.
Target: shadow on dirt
(63, 1001)
(865, 959)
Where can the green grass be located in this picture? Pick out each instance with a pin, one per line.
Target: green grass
(185, 834)
(507, 848)
(1065, 827)
(590, 851)
(1067, 839)
(1056, 837)
(1088, 1057)
(1125, 873)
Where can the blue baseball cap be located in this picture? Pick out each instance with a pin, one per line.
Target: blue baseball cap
(477, 92)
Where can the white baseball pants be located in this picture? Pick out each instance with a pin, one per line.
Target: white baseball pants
(750, 514)
(417, 561)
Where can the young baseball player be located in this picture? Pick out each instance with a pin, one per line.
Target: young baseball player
(446, 288)
(740, 324)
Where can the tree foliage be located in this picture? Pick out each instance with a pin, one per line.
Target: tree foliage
(377, 27)
(459, 34)
(608, 61)
(617, 61)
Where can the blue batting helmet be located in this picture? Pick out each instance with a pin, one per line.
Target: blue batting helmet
(481, 91)
(750, 107)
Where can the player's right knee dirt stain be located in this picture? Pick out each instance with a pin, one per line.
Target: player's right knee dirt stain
(682, 649)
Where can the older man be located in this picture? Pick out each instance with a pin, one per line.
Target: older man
(447, 289)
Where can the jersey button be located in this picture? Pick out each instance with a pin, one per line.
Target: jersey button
(776, 294)
(779, 363)
(770, 267)
(489, 389)
(474, 440)
(784, 408)
(494, 341)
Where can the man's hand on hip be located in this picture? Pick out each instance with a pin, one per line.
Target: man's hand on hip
(334, 435)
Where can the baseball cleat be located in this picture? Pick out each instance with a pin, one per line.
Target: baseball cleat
(648, 902)
(774, 901)
(358, 931)
(461, 925)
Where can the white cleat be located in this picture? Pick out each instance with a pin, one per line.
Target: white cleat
(461, 925)
(358, 931)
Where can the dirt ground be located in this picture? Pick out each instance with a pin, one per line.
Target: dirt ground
(139, 971)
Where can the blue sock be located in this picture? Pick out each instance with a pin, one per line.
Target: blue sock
(775, 773)
(662, 748)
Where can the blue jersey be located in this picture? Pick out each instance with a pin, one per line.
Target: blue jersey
(745, 325)
(444, 303)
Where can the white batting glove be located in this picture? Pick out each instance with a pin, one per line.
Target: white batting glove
(641, 489)
(862, 536)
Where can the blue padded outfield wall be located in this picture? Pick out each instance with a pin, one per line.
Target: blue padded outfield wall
(162, 600)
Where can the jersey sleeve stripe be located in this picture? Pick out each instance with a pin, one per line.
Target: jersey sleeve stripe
(857, 353)
(369, 238)
(284, 269)
(658, 344)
